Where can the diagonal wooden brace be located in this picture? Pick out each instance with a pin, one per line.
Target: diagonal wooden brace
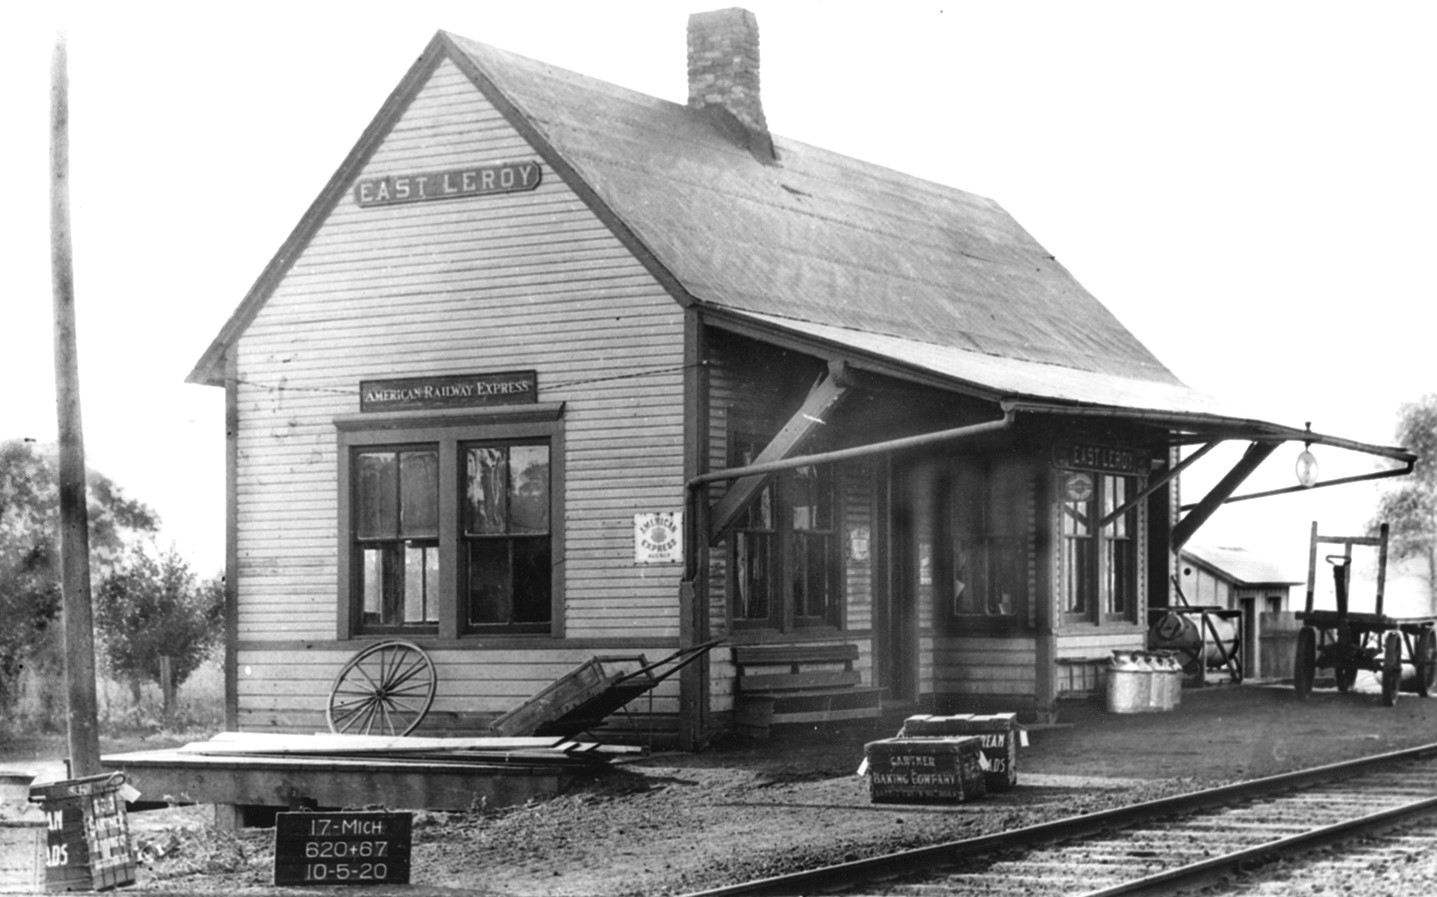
(1256, 453)
(821, 400)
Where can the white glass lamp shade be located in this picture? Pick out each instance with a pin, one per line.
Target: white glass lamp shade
(1306, 468)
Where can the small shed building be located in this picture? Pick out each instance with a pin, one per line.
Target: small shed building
(552, 369)
(1235, 579)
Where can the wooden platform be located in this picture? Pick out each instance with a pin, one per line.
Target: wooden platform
(248, 789)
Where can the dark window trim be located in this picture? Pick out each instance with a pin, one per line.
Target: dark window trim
(449, 430)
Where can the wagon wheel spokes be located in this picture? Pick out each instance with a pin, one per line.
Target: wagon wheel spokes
(389, 685)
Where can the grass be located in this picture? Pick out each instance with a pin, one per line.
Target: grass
(35, 730)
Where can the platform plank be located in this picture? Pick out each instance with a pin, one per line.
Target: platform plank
(325, 743)
(177, 777)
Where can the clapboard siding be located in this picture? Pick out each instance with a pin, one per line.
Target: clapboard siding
(985, 666)
(519, 281)
(1092, 646)
(521, 240)
(927, 684)
(538, 298)
(857, 480)
(290, 689)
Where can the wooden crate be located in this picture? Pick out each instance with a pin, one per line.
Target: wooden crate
(925, 770)
(998, 733)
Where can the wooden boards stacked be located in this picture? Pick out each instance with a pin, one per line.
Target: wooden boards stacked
(257, 774)
(546, 751)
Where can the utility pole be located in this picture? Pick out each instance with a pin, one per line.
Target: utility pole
(83, 720)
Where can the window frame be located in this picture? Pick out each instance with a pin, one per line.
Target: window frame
(1097, 560)
(783, 554)
(991, 483)
(451, 432)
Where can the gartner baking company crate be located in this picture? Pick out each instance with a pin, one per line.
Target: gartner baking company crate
(87, 837)
(924, 770)
(999, 733)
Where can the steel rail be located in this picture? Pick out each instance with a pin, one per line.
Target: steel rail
(907, 862)
(1166, 881)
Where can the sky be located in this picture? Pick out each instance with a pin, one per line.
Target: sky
(1249, 187)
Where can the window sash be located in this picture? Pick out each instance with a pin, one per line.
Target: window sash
(754, 599)
(1099, 568)
(399, 581)
(509, 583)
(986, 564)
(785, 559)
(396, 533)
(507, 556)
(398, 493)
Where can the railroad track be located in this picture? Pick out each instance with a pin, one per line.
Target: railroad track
(1158, 847)
(1396, 862)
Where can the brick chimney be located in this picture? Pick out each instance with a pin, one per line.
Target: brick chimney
(723, 77)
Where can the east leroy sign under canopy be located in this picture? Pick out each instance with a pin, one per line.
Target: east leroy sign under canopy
(456, 183)
(1102, 458)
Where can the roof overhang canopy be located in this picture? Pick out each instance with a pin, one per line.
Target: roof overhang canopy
(1020, 387)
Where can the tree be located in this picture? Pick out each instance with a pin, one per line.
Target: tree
(30, 552)
(1410, 509)
(149, 607)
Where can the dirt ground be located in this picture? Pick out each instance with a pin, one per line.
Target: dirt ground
(674, 823)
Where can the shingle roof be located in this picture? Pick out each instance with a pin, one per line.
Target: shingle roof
(818, 238)
(922, 277)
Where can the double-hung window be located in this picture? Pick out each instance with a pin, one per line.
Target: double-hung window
(396, 535)
(785, 553)
(1099, 552)
(985, 513)
(756, 591)
(813, 538)
(447, 524)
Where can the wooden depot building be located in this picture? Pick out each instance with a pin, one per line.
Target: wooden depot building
(553, 370)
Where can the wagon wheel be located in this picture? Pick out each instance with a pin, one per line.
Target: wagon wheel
(1426, 662)
(1345, 670)
(1391, 667)
(384, 689)
(1304, 666)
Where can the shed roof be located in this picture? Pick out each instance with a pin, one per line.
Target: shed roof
(1240, 565)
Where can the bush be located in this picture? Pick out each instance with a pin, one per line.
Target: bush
(150, 608)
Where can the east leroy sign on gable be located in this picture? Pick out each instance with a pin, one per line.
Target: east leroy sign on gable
(456, 183)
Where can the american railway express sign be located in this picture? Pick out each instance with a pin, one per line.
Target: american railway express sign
(449, 391)
(456, 183)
